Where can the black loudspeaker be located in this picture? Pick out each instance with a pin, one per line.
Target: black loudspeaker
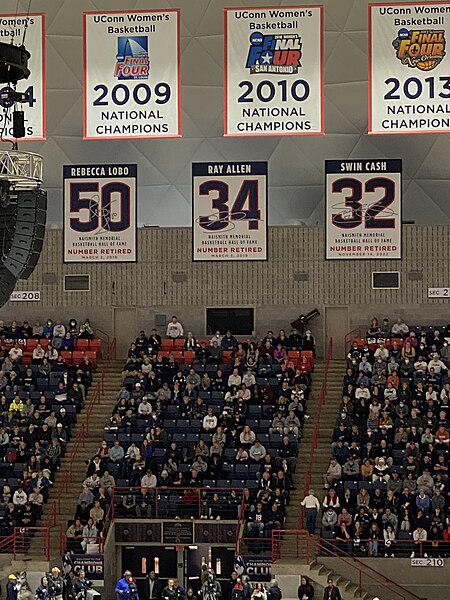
(18, 124)
(26, 243)
(7, 284)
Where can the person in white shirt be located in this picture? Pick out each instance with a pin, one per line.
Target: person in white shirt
(144, 408)
(209, 421)
(38, 354)
(382, 352)
(437, 364)
(399, 328)
(257, 452)
(312, 507)
(362, 392)
(20, 497)
(174, 329)
(234, 379)
(149, 480)
(15, 353)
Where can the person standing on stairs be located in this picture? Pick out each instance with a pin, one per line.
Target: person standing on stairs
(312, 507)
(331, 592)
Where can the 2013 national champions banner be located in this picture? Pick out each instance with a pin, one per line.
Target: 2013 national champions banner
(274, 71)
(363, 209)
(132, 74)
(100, 213)
(13, 29)
(229, 205)
(409, 68)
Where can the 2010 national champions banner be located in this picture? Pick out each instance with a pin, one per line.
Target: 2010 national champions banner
(13, 28)
(229, 205)
(100, 213)
(409, 68)
(132, 74)
(363, 209)
(274, 71)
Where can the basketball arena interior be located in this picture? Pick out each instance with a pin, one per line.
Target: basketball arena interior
(224, 288)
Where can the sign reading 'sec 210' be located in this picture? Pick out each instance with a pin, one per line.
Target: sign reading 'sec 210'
(409, 72)
(131, 74)
(273, 71)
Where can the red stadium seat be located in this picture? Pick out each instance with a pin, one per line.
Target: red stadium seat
(95, 344)
(179, 344)
(293, 355)
(31, 344)
(177, 355)
(83, 345)
(44, 343)
(227, 357)
(188, 357)
(92, 355)
(67, 356)
(167, 344)
(77, 357)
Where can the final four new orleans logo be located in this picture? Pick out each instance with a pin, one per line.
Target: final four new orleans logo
(276, 53)
(421, 49)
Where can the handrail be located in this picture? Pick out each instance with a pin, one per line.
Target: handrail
(65, 476)
(363, 569)
(350, 336)
(316, 432)
(97, 330)
(23, 536)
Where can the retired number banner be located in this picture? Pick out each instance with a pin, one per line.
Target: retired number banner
(100, 213)
(12, 29)
(132, 74)
(409, 68)
(229, 204)
(363, 209)
(274, 71)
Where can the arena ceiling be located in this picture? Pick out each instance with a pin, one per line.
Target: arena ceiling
(296, 194)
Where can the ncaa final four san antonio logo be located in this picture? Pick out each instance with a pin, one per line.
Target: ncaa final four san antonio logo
(277, 53)
(132, 60)
(422, 49)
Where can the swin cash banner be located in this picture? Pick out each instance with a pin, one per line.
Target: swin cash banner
(13, 30)
(274, 71)
(132, 74)
(100, 213)
(409, 68)
(363, 218)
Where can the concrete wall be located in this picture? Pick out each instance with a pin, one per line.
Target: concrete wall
(270, 287)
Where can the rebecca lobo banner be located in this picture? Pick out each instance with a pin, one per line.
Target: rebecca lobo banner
(12, 29)
(100, 213)
(363, 209)
(132, 74)
(274, 71)
(229, 204)
(409, 68)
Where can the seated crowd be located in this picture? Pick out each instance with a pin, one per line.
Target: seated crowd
(214, 425)
(40, 395)
(387, 482)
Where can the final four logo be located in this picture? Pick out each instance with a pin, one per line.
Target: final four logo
(132, 58)
(420, 48)
(278, 53)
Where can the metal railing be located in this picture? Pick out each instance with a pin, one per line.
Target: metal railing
(47, 539)
(367, 576)
(316, 433)
(349, 337)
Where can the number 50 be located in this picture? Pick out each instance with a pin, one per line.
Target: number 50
(98, 205)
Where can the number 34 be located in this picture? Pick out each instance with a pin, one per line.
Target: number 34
(364, 214)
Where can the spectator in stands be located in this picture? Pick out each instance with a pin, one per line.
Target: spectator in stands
(174, 329)
(400, 328)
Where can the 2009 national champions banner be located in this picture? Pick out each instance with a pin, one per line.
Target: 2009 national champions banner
(132, 74)
(274, 71)
(229, 206)
(363, 209)
(409, 68)
(14, 29)
(100, 213)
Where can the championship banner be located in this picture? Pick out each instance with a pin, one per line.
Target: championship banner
(132, 74)
(100, 213)
(274, 71)
(409, 68)
(229, 207)
(13, 28)
(363, 209)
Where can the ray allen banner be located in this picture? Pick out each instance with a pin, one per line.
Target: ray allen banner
(132, 74)
(274, 71)
(30, 29)
(229, 211)
(100, 213)
(363, 209)
(409, 68)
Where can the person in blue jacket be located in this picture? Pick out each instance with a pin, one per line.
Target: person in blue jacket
(126, 588)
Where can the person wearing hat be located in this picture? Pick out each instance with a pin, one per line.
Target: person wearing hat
(12, 588)
(126, 588)
(55, 584)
